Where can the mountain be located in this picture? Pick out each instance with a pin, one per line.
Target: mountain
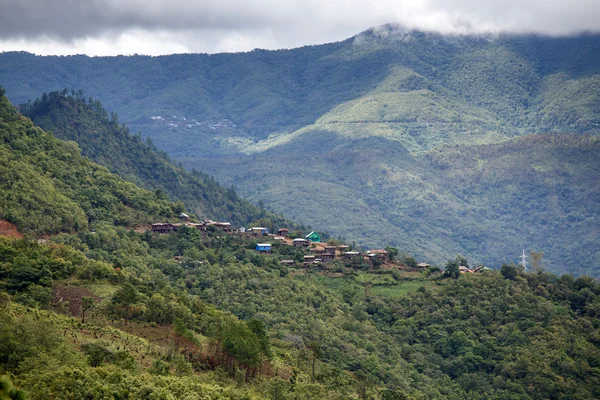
(101, 138)
(48, 187)
(478, 145)
(97, 310)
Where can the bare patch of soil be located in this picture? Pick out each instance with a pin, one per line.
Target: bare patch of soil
(71, 294)
(8, 229)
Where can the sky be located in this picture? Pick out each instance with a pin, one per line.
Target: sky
(155, 27)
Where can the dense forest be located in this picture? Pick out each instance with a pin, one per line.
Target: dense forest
(479, 145)
(100, 311)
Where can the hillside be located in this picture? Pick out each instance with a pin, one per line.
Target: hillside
(382, 138)
(101, 311)
(105, 141)
(47, 187)
(222, 321)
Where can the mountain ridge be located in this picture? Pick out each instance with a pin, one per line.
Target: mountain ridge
(258, 120)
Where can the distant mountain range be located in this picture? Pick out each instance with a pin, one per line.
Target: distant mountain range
(434, 144)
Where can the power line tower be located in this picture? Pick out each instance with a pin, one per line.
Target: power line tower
(523, 261)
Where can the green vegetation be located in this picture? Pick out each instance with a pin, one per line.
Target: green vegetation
(48, 187)
(100, 311)
(105, 141)
(436, 145)
(227, 322)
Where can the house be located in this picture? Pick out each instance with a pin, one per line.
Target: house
(313, 237)
(327, 257)
(299, 242)
(380, 253)
(308, 260)
(289, 263)
(330, 249)
(184, 217)
(283, 232)
(317, 250)
(263, 247)
(226, 226)
(350, 254)
(463, 269)
(162, 228)
(258, 231)
(423, 265)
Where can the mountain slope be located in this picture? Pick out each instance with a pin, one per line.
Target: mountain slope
(70, 117)
(48, 187)
(379, 123)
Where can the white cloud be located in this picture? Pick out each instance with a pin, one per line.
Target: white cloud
(103, 27)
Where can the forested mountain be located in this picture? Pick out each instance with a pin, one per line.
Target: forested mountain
(97, 310)
(397, 137)
(48, 187)
(104, 140)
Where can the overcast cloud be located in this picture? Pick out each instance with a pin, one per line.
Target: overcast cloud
(110, 27)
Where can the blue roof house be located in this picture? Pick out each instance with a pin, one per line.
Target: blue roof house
(263, 247)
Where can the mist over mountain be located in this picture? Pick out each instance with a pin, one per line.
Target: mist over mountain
(478, 145)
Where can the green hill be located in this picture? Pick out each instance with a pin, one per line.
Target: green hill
(111, 313)
(370, 138)
(105, 141)
(48, 187)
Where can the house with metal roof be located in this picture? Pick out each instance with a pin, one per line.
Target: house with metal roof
(263, 247)
(313, 237)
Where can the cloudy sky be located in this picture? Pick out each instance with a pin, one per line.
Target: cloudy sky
(110, 27)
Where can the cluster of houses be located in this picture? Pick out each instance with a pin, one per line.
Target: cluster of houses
(319, 253)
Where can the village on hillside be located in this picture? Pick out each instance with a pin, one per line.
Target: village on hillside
(317, 253)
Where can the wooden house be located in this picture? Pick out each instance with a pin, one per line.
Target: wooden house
(330, 249)
(283, 232)
(226, 226)
(162, 228)
(327, 257)
(263, 247)
(300, 242)
(308, 260)
(379, 253)
(313, 237)
(258, 231)
(289, 263)
(350, 254)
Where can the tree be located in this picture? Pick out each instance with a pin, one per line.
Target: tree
(86, 304)
(317, 353)
(8, 391)
(126, 296)
(537, 262)
(452, 270)
(392, 252)
(509, 271)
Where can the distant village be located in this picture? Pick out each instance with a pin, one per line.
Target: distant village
(319, 253)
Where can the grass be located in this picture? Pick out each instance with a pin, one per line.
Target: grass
(103, 290)
(403, 288)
